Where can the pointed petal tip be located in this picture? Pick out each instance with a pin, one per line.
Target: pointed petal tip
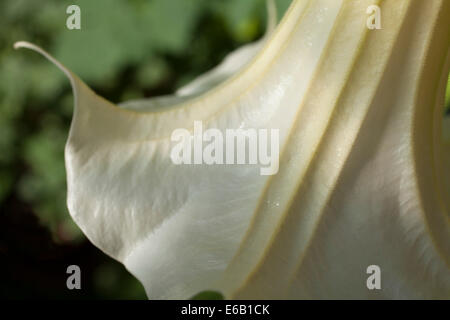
(28, 45)
(74, 80)
(22, 44)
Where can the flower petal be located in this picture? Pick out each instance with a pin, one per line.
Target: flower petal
(360, 180)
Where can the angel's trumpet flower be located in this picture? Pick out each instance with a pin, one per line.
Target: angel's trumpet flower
(362, 178)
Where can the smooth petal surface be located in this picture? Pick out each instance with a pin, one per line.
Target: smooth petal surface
(362, 177)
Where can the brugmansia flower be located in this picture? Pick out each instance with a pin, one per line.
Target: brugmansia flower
(362, 175)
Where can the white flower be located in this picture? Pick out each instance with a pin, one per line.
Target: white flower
(361, 178)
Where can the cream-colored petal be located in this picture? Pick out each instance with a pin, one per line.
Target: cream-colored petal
(361, 176)
(366, 193)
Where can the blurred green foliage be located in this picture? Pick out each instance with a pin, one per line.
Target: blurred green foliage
(125, 49)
